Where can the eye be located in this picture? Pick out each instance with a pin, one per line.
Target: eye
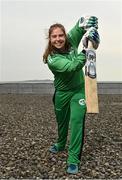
(61, 35)
(53, 36)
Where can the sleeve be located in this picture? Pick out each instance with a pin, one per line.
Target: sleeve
(75, 35)
(62, 64)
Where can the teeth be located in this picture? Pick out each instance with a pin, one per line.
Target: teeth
(58, 44)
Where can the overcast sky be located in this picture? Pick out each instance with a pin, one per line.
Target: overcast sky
(24, 26)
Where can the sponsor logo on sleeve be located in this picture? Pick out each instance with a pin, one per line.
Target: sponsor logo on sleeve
(82, 102)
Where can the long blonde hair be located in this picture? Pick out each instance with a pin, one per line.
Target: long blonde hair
(50, 49)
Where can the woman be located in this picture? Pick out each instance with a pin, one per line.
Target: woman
(66, 64)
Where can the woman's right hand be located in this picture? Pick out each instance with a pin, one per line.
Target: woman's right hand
(92, 35)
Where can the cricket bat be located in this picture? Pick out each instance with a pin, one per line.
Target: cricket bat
(91, 80)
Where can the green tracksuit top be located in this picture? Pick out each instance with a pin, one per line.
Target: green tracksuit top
(67, 67)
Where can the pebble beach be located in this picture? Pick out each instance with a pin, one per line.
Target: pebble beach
(28, 128)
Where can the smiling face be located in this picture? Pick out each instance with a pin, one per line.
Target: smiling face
(58, 38)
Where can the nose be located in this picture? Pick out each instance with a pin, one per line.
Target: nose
(57, 38)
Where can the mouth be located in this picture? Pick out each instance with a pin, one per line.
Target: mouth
(59, 44)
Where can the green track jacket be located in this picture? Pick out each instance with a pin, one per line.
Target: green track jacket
(67, 68)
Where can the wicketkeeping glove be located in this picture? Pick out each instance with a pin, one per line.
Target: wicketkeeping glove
(86, 22)
(92, 35)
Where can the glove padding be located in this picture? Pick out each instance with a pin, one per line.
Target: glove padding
(86, 22)
(93, 36)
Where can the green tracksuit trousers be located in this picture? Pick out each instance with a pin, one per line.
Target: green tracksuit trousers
(70, 107)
